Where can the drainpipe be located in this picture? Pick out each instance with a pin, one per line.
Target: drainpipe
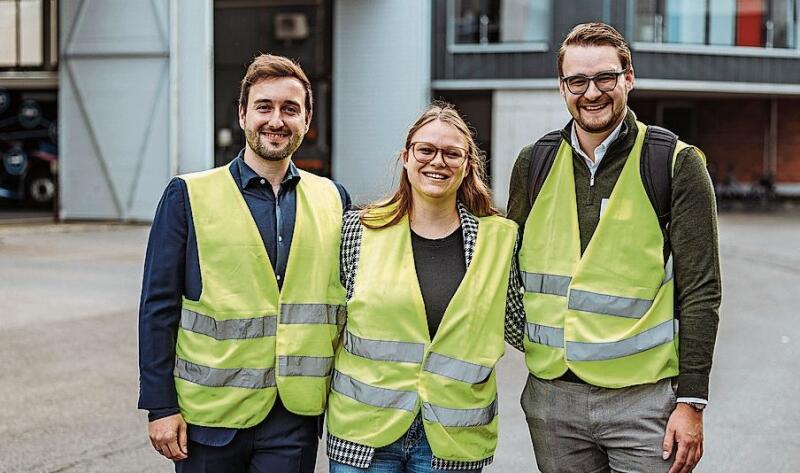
(772, 168)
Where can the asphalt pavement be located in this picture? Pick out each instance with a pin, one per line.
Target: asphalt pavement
(68, 382)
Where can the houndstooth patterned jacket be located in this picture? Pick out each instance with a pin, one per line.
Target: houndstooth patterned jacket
(360, 456)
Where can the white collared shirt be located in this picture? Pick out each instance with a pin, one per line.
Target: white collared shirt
(599, 152)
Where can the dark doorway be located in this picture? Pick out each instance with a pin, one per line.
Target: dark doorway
(300, 30)
(476, 108)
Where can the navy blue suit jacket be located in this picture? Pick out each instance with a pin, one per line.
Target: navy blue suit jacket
(172, 270)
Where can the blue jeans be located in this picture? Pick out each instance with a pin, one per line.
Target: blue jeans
(410, 454)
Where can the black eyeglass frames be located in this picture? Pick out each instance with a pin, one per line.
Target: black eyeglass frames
(604, 81)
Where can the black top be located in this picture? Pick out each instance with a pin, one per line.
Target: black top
(440, 266)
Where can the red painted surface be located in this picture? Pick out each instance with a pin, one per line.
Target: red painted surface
(749, 22)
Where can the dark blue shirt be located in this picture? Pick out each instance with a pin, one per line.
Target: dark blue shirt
(172, 270)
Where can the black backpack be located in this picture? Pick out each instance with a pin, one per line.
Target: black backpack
(655, 169)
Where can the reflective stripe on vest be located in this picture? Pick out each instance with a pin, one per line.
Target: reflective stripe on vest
(456, 369)
(590, 301)
(544, 335)
(583, 351)
(643, 341)
(546, 283)
(249, 378)
(384, 350)
(606, 304)
(305, 365)
(233, 329)
(610, 305)
(374, 396)
(309, 314)
(459, 417)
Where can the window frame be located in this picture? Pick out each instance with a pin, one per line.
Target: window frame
(710, 49)
(49, 39)
(465, 48)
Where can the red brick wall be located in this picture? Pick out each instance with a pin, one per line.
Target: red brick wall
(788, 141)
(733, 133)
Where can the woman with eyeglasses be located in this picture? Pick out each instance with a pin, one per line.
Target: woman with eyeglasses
(430, 277)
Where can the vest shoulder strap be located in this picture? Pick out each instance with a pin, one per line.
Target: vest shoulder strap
(543, 155)
(656, 167)
(656, 171)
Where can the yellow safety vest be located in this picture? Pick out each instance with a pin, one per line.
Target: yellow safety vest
(606, 315)
(388, 367)
(244, 340)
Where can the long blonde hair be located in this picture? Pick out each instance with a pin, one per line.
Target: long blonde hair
(473, 192)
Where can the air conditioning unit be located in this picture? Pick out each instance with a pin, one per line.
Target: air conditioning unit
(291, 26)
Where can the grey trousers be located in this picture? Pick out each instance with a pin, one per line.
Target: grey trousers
(578, 428)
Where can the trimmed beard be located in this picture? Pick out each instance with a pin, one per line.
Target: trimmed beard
(253, 139)
(599, 127)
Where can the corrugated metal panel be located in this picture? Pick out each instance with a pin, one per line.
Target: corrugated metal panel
(114, 108)
(119, 102)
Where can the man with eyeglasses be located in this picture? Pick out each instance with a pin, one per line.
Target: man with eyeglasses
(620, 244)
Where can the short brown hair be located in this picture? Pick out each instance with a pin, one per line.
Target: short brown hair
(595, 34)
(474, 193)
(269, 66)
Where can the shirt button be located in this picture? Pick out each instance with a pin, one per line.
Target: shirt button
(279, 277)
(280, 238)
(263, 181)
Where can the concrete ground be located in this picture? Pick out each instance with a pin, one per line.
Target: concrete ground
(68, 382)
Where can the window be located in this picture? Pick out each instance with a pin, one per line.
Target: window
(28, 34)
(754, 23)
(501, 21)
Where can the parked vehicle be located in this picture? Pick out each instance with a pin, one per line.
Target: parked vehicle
(28, 146)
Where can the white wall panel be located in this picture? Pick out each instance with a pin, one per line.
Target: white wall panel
(381, 82)
(519, 118)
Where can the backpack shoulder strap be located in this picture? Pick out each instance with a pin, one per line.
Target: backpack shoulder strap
(656, 171)
(542, 157)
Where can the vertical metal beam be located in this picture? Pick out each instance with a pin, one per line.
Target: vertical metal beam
(191, 77)
(53, 34)
(17, 21)
(773, 138)
(174, 110)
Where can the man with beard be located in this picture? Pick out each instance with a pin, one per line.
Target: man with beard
(606, 277)
(236, 332)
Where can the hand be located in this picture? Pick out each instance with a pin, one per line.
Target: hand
(168, 436)
(685, 426)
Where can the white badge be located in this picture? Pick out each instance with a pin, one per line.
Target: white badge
(603, 205)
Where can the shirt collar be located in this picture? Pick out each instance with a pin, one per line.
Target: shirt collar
(603, 147)
(249, 177)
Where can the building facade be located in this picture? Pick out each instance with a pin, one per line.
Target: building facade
(723, 74)
(146, 90)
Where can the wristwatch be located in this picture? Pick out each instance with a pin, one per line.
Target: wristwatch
(698, 406)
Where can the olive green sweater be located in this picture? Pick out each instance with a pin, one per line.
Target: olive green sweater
(692, 233)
